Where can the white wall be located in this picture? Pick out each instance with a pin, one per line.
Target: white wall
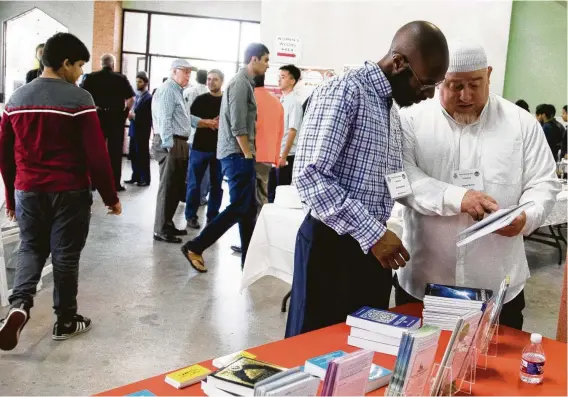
(337, 33)
(77, 16)
(245, 10)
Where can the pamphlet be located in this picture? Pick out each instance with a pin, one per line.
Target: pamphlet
(497, 220)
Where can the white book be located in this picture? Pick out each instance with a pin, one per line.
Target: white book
(375, 337)
(374, 346)
(303, 387)
(497, 220)
(221, 362)
(213, 391)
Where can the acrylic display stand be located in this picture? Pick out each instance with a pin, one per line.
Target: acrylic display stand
(455, 384)
(449, 386)
(488, 345)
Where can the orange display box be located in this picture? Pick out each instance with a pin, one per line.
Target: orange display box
(501, 378)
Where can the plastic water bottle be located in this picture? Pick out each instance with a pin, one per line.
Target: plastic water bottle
(532, 361)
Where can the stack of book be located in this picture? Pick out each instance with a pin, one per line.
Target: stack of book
(187, 376)
(292, 382)
(414, 363)
(318, 366)
(348, 375)
(239, 377)
(445, 304)
(379, 330)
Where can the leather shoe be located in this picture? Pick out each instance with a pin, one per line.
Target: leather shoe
(167, 238)
(143, 184)
(236, 249)
(130, 182)
(120, 188)
(178, 232)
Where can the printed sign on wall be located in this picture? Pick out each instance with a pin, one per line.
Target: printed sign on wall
(288, 49)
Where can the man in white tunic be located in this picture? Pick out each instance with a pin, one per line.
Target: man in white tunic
(468, 153)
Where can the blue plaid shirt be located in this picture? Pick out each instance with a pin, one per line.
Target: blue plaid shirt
(170, 115)
(350, 139)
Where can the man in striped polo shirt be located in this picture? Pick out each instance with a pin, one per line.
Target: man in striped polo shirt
(51, 149)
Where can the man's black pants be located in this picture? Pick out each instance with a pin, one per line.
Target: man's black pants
(112, 124)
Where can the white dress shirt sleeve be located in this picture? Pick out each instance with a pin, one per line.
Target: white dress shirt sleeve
(430, 196)
(540, 183)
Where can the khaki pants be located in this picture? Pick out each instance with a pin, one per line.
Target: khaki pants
(173, 168)
(262, 173)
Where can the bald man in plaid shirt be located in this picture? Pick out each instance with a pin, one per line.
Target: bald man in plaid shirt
(349, 143)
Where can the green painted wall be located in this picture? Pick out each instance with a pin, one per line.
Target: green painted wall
(537, 68)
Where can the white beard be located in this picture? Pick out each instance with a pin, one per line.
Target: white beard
(465, 118)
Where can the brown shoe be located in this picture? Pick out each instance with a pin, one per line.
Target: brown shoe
(194, 259)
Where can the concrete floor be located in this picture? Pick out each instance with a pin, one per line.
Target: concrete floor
(152, 313)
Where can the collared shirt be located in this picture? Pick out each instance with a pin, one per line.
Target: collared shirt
(509, 149)
(269, 126)
(238, 115)
(169, 114)
(293, 114)
(189, 95)
(349, 140)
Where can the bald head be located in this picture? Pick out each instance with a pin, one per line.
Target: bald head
(421, 41)
(416, 62)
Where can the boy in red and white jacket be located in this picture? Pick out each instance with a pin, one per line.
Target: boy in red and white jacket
(51, 143)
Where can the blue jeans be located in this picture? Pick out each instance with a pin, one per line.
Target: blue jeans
(56, 223)
(198, 164)
(206, 184)
(242, 208)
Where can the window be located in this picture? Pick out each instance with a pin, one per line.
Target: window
(202, 38)
(23, 34)
(250, 33)
(207, 43)
(135, 28)
(132, 64)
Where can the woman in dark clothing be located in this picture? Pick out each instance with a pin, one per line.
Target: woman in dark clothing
(34, 73)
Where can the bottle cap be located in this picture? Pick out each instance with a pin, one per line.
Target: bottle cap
(536, 338)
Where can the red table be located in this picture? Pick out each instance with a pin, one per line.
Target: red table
(500, 378)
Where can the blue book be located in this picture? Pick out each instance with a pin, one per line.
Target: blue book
(461, 293)
(382, 321)
(144, 392)
(378, 377)
(317, 366)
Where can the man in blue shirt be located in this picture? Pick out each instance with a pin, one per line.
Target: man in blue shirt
(139, 132)
(172, 125)
(349, 143)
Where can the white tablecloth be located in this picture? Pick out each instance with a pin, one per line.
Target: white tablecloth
(559, 214)
(271, 249)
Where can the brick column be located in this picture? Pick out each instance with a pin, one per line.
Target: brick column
(107, 32)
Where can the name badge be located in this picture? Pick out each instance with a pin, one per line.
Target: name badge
(398, 185)
(469, 179)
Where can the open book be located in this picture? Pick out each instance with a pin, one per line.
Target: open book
(497, 220)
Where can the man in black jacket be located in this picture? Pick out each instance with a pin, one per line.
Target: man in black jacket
(114, 98)
(139, 132)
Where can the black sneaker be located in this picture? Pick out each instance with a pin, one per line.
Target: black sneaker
(63, 331)
(11, 327)
(193, 223)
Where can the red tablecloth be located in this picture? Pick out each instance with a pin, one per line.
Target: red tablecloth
(500, 378)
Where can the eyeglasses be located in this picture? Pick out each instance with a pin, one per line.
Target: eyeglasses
(424, 87)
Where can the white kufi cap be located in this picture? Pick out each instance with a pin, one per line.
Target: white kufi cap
(466, 56)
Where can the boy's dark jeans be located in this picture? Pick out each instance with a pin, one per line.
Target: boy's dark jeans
(56, 223)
